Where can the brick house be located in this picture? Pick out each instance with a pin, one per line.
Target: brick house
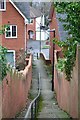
(15, 15)
(56, 25)
(31, 26)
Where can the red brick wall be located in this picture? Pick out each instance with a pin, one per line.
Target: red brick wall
(68, 91)
(12, 16)
(31, 27)
(15, 91)
(53, 25)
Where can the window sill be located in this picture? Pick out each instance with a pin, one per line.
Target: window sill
(11, 37)
(2, 10)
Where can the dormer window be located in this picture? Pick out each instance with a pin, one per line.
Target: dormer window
(2, 5)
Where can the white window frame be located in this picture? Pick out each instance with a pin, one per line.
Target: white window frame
(11, 32)
(13, 57)
(4, 6)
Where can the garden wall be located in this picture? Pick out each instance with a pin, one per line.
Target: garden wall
(0, 101)
(43, 57)
(15, 88)
(68, 92)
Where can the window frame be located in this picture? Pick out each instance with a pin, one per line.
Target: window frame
(11, 32)
(29, 21)
(4, 6)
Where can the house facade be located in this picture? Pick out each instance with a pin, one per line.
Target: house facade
(33, 23)
(33, 27)
(41, 33)
(54, 31)
(56, 27)
(13, 14)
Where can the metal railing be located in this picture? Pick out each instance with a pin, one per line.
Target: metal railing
(33, 107)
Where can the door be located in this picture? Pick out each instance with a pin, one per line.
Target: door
(31, 34)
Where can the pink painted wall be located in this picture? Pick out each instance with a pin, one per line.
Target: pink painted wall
(15, 91)
(68, 91)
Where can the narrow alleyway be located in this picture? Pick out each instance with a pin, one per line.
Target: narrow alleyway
(50, 108)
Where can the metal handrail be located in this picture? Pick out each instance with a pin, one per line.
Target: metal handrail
(33, 109)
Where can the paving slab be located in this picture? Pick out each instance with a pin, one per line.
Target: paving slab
(50, 107)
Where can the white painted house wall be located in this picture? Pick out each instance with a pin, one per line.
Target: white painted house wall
(44, 33)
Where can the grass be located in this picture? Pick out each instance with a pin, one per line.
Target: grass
(40, 103)
(46, 47)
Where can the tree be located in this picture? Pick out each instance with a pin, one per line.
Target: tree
(72, 25)
(72, 10)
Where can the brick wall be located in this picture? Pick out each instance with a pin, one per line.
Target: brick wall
(12, 17)
(68, 92)
(31, 27)
(15, 88)
(53, 25)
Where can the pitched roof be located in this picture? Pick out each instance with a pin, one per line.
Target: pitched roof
(34, 12)
(62, 33)
(23, 7)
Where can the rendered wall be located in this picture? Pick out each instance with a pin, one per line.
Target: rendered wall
(15, 88)
(68, 92)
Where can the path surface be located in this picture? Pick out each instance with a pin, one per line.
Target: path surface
(50, 109)
(33, 46)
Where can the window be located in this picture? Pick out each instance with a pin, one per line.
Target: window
(11, 32)
(30, 21)
(2, 5)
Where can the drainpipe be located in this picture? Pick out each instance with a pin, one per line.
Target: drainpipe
(53, 65)
(53, 31)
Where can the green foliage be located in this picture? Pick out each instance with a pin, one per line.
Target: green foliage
(72, 25)
(20, 60)
(60, 65)
(2, 29)
(69, 52)
(72, 10)
(3, 62)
